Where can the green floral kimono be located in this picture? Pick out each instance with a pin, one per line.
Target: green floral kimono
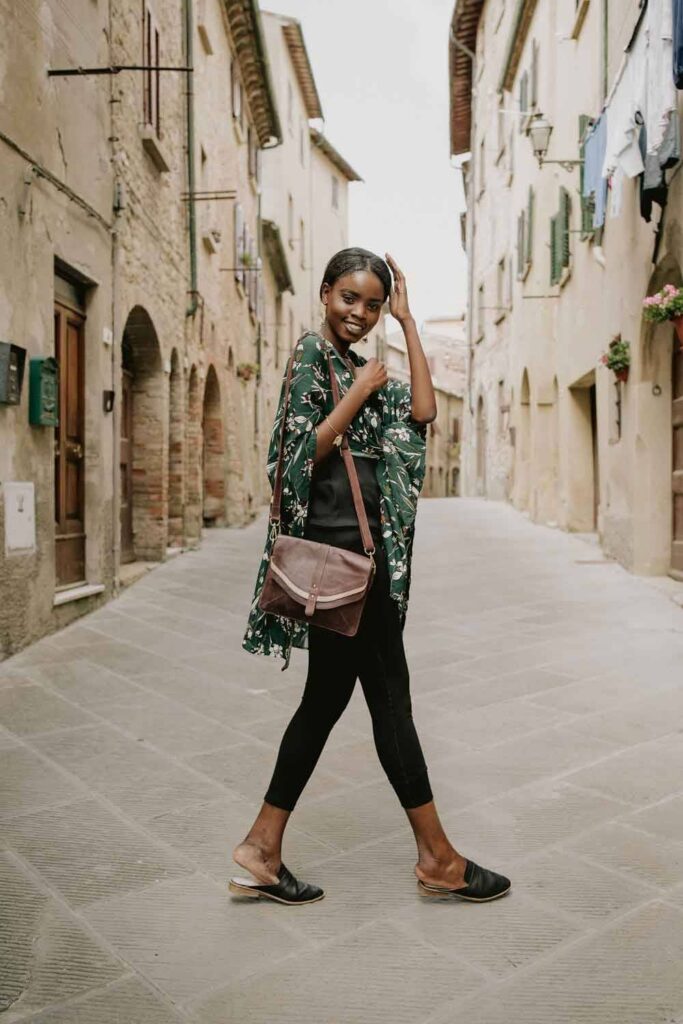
(382, 429)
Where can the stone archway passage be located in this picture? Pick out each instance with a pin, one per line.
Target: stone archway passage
(143, 416)
(213, 449)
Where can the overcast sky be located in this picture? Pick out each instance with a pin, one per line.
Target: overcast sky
(381, 67)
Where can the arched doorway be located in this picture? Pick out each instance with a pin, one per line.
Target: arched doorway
(193, 467)
(176, 460)
(142, 461)
(481, 447)
(213, 450)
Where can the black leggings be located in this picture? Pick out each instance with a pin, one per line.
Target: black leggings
(376, 656)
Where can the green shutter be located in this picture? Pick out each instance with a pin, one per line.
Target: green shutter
(523, 100)
(554, 251)
(565, 217)
(586, 202)
(521, 239)
(529, 255)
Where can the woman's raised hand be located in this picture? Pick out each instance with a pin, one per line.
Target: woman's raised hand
(372, 376)
(398, 299)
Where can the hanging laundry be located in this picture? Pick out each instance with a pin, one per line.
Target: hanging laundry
(616, 192)
(660, 98)
(594, 185)
(653, 184)
(625, 106)
(677, 33)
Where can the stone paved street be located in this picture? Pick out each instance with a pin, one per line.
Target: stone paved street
(548, 693)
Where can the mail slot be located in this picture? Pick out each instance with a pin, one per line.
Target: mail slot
(43, 396)
(12, 360)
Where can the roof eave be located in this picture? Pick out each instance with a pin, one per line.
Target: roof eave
(518, 34)
(244, 20)
(296, 45)
(333, 155)
(462, 43)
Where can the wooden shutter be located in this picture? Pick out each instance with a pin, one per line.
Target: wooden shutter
(565, 217)
(533, 91)
(523, 100)
(521, 244)
(587, 204)
(554, 252)
(529, 255)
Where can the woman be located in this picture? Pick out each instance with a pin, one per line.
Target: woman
(386, 424)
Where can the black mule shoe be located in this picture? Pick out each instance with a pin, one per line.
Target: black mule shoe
(287, 890)
(482, 885)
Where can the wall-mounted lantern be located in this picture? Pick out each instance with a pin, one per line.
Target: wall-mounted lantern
(539, 132)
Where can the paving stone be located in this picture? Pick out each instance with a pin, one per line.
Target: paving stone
(125, 1002)
(663, 819)
(402, 981)
(84, 683)
(45, 955)
(563, 880)
(651, 859)
(87, 853)
(188, 936)
(627, 973)
(638, 776)
(28, 782)
(141, 781)
(520, 930)
(351, 817)
(32, 709)
(650, 716)
(484, 726)
(233, 705)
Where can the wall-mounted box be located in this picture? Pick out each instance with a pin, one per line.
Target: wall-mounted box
(20, 518)
(12, 360)
(43, 394)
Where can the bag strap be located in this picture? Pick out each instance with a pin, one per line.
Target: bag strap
(345, 452)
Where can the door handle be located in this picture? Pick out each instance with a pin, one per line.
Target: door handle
(74, 450)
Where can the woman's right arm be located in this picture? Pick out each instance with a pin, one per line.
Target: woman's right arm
(370, 378)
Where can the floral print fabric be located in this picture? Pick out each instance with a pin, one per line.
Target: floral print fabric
(382, 429)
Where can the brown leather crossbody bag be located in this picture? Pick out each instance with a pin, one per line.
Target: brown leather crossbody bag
(317, 583)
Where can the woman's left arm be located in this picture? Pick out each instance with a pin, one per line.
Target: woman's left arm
(423, 407)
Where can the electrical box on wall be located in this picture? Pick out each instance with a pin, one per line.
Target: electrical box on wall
(12, 360)
(43, 396)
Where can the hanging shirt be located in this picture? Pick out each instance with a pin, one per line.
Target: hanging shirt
(660, 98)
(624, 110)
(594, 184)
(384, 430)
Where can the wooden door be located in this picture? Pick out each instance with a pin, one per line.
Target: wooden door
(70, 448)
(596, 454)
(677, 477)
(126, 465)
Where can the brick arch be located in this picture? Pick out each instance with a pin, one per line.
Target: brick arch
(144, 484)
(176, 453)
(193, 459)
(213, 453)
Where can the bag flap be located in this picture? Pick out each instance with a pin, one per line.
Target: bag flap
(345, 578)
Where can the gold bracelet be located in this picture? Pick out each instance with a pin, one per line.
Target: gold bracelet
(338, 438)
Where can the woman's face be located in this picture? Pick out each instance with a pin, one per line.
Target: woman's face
(353, 304)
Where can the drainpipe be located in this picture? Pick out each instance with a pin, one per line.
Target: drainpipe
(189, 96)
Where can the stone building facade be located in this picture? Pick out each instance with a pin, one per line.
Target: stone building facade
(444, 345)
(134, 253)
(552, 280)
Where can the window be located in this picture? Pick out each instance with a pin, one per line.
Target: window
(151, 80)
(335, 192)
(455, 430)
(236, 94)
(290, 108)
(502, 300)
(587, 202)
(523, 101)
(302, 243)
(501, 127)
(481, 313)
(290, 221)
(533, 83)
(525, 237)
(238, 249)
(253, 154)
(559, 239)
(482, 166)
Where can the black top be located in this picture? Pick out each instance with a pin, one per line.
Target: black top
(331, 500)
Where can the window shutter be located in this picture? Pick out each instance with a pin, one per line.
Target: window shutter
(586, 201)
(565, 216)
(529, 255)
(521, 243)
(554, 254)
(239, 242)
(534, 75)
(523, 100)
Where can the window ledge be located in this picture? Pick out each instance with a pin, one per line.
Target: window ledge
(581, 13)
(152, 146)
(77, 593)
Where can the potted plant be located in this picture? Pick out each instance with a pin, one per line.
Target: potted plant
(617, 358)
(666, 305)
(245, 371)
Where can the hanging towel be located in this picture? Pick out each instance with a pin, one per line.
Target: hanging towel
(653, 184)
(626, 105)
(660, 97)
(594, 185)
